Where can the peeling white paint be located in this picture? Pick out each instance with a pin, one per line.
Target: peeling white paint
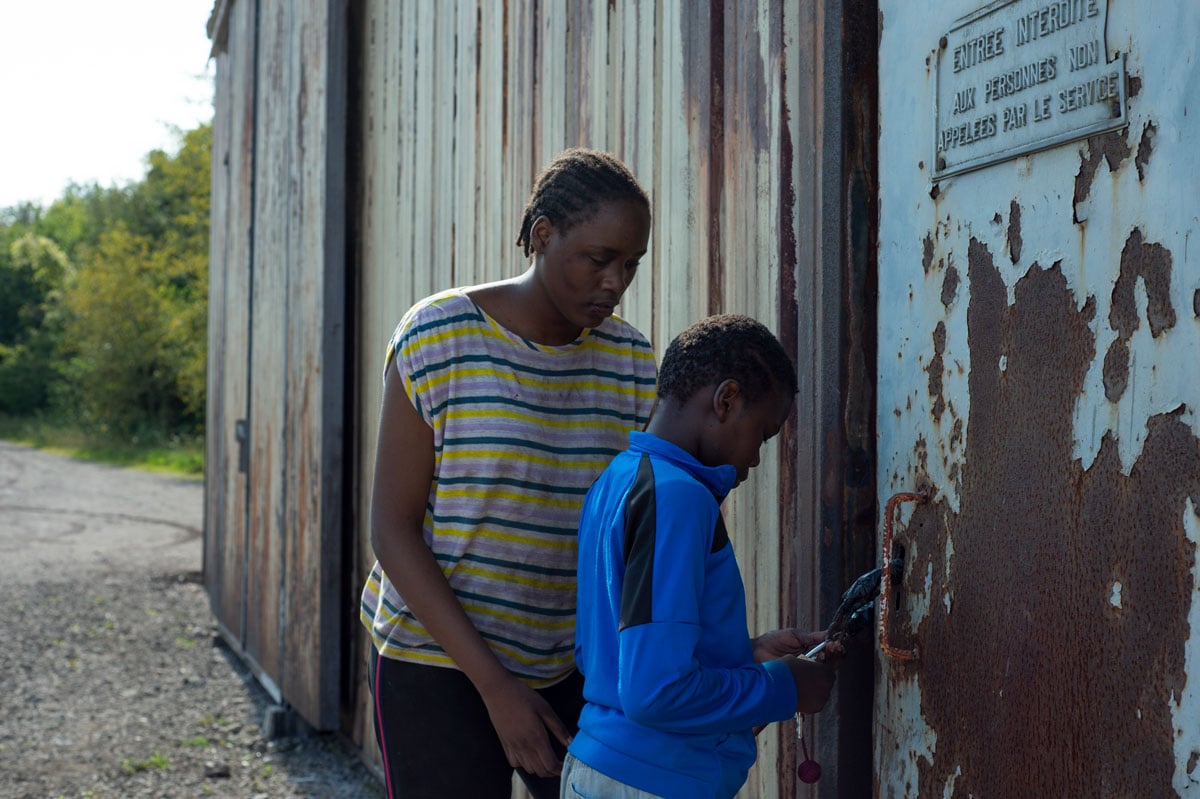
(1186, 708)
(948, 598)
(904, 740)
(1155, 385)
(1161, 53)
(948, 791)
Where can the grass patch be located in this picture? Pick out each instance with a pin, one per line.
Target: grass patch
(151, 450)
(155, 761)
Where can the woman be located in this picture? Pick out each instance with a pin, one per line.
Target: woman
(502, 402)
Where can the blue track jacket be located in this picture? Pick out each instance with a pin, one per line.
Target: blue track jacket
(671, 685)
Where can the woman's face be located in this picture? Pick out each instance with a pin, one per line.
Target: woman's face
(585, 270)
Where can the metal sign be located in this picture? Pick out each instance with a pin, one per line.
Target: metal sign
(1019, 76)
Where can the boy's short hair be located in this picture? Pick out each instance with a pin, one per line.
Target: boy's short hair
(726, 347)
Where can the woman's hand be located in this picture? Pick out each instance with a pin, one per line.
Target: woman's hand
(524, 721)
(403, 475)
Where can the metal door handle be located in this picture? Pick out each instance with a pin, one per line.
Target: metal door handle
(885, 588)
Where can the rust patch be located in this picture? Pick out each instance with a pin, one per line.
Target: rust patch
(1196, 303)
(921, 453)
(1195, 758)
(949, 286)
(1133, 87)
(1152, 263)
(1116, 370)
(927, 258)
(1145, 148)
(1110, 147)
(935, 369)
(956, 434)
(1014, 231)
(716, 155)
(1032, 658)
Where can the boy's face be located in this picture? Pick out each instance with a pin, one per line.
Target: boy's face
(745, 428)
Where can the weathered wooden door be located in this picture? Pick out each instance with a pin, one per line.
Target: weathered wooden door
(227, 463)
(1039, 343)
(274, 532)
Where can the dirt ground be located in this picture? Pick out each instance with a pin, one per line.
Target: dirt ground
(113, 680)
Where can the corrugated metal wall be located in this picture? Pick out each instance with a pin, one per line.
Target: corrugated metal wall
(709, 104)
(751, 124)
(1039, 340)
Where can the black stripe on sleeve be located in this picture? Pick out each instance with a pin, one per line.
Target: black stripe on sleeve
(637, 592)
(720, 535)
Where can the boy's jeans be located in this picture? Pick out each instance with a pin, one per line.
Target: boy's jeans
(581, 781)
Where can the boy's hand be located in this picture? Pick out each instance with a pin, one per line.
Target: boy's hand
(814, 683)
(776, 644)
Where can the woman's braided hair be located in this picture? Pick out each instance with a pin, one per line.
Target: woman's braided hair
(726, 347)
(573, 186)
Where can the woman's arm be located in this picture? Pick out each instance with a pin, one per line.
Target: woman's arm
(399, 495)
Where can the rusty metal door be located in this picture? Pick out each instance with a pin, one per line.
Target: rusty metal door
(1039, 345)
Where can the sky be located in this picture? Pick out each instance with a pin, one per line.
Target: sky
(89, 88)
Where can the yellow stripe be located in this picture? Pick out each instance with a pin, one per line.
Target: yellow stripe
(550, 584)
(542, 460)
(605, 386)
(531, 540)
(492, 332)
(563, 625)
(524, 416)
(522, 497)
(446, 334)
(415, 628)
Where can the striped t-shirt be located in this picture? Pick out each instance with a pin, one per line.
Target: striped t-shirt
(520, 431)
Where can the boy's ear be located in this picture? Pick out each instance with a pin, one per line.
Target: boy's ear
(726, 395)
(539, 233)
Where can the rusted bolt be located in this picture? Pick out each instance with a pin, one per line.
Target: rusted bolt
(941, 162)
(1116, 108)
(943, 42)
(934, 191)
(920, 165)
(925, 488)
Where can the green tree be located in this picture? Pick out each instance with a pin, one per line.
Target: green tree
(174, 213)
(31, 277)
(120, 374)
(103, 298)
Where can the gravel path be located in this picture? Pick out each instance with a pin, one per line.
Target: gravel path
(113, 680)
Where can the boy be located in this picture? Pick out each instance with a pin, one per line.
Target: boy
(674, 684)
